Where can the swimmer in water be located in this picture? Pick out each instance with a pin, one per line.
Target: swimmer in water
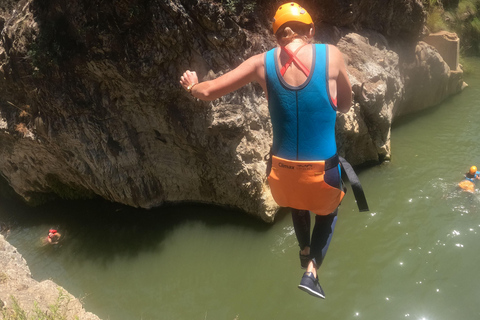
(53, 236)
(468, 183)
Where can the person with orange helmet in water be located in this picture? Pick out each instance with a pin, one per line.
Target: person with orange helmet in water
(305, 85)
(468, 183)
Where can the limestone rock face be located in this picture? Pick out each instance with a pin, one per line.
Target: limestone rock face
(432, 74)
(364, 132)
(448, 45)
(90, 104)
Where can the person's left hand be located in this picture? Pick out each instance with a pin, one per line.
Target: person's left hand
(188, 79)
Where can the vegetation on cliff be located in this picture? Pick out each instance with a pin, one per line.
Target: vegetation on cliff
(459, 16)
(56, 311)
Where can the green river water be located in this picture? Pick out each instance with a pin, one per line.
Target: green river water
(414, 256)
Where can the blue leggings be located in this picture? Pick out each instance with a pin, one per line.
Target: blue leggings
(321, 235)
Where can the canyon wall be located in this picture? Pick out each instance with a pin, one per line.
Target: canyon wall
(91, 106)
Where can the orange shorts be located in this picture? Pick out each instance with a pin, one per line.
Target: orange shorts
(301, 185)
(467, 185)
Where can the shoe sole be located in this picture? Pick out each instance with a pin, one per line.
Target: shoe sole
(310, 291)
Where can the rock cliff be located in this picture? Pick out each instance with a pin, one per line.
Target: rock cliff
(90, 104)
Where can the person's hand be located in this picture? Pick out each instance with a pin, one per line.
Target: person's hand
(188, 80)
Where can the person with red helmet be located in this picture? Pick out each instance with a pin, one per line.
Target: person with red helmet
(53, 236)
(305, 85)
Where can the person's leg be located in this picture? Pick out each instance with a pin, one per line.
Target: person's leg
(324, 225)
(320, 240)
(301, 224)
(321, 237)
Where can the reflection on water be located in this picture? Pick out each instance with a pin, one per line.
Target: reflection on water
(414, 256)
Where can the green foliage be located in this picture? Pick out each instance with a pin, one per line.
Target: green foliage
(463, 20)
(436, 21)
(15, 313)
(466, 8)
(56, 311)
(3, 277)
(476, 25)
(467, 26)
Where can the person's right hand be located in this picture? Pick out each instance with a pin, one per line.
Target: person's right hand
(188, 79)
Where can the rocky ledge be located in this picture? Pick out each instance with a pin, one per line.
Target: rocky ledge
(18, 287)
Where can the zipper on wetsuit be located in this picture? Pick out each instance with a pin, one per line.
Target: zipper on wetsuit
(298, 129)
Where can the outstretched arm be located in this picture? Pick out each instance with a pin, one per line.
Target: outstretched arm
(250, 70)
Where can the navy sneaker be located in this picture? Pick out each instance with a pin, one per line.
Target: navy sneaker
(310, 285)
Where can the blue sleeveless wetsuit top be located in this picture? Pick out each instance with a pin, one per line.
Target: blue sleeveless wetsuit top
(303, 117)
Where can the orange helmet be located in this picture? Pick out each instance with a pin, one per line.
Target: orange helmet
(473, 170)
(290, 11)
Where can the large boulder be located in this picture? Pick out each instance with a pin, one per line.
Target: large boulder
(90, 104)
(364, 132)
(432, 73)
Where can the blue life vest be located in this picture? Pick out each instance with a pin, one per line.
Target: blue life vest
(474, 177)
(303, 117)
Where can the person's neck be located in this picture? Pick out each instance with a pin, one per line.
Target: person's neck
(296, 42)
